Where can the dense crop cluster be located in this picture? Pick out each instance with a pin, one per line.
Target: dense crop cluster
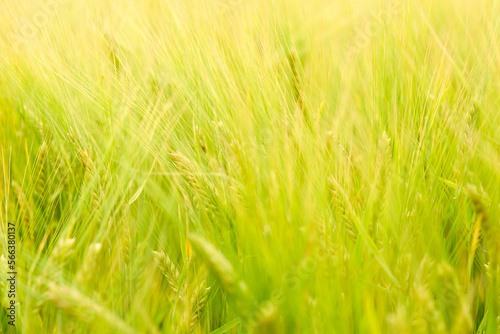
(225, 166)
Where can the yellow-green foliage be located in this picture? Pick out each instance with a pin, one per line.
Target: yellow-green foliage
(251, 166)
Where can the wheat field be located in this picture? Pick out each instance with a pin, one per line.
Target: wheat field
(230, 166)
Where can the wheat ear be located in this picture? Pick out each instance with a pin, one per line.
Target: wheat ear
(168, 268)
